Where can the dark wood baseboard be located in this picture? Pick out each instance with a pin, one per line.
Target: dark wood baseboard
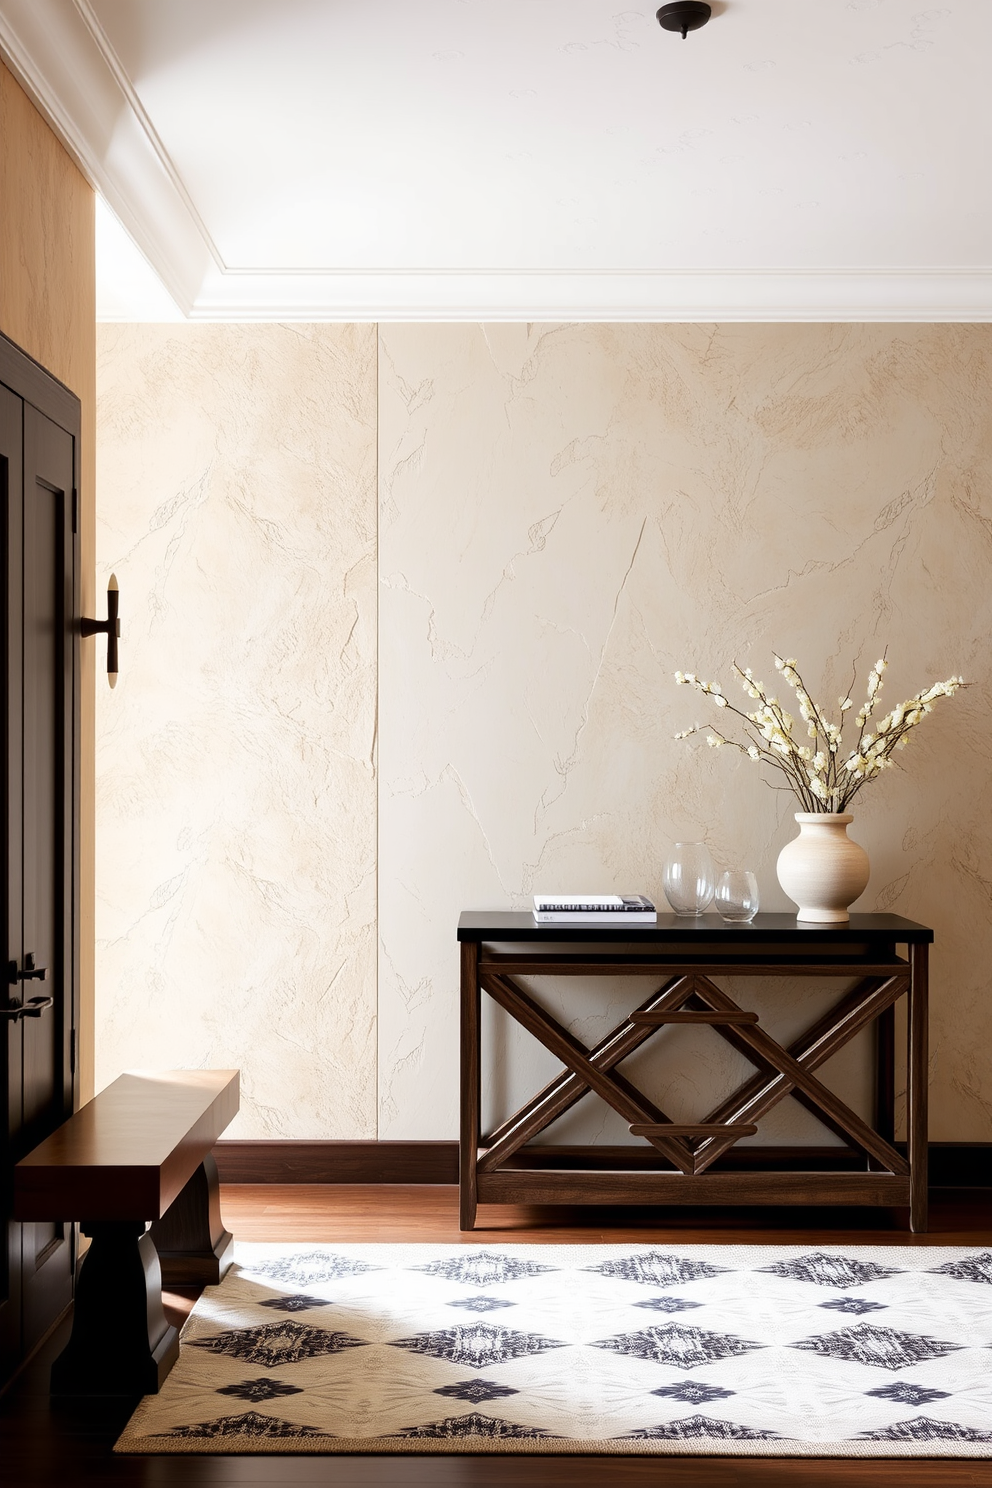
(952, 1164)
(337, 1162)
(960, 1164)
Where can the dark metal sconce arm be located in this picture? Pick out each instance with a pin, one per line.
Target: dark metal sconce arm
(111, 627)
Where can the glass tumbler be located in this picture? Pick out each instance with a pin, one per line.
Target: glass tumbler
(737, 896)
(690, 878)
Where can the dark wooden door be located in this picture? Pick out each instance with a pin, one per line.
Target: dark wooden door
(11, 489)
(38, 460)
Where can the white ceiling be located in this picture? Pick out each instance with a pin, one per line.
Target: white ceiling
(795, 159)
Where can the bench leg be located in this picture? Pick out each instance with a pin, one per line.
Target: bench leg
(193, 1246)
(121, 1343)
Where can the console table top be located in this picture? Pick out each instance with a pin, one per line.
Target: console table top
(519, 925)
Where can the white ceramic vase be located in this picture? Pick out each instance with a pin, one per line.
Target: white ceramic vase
(822, 869)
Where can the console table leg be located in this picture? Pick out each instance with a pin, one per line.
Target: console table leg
(193, 1246)
(468, 1151)
(917, 1086)
(121, 1343)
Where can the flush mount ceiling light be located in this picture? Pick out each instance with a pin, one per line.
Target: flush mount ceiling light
(684, 16)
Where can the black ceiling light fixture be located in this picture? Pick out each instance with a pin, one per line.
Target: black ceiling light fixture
(684, 16)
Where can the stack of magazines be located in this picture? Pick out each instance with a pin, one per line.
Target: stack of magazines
(594, 909)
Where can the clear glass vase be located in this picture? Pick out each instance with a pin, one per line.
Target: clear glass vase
(690, 879)
(737, 896)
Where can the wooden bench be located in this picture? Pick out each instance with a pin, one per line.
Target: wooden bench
(140, 1151)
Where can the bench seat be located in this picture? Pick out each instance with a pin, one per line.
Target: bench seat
(139, 1151)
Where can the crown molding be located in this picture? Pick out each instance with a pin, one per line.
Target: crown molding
(59, 53)
(51, 50)
(901, 295)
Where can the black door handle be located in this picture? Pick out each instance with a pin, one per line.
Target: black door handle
(30, 972)
(35, 1006)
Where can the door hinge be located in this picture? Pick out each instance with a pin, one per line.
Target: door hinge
(75, 510)
(72, 1051)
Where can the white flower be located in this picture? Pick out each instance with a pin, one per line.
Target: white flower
(772, 731)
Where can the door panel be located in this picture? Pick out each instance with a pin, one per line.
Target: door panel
(11, 415)
(46, 1254)
(38, 795)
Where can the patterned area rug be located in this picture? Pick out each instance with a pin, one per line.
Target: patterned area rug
(784, 1351)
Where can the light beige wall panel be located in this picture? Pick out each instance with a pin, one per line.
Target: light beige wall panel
(48, 307)
(236, 761)
(570, 513)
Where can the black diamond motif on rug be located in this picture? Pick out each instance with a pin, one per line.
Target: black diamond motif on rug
(694, 1392)
(656, 1269)
(974, 1268)
(474, 1424)
(678, 1345)
(907, 1394)
(310, 1267)
(478, 1345)
(481, 1304)
(696, 1426)
(885, 1347)
(857, 1305)
(272, 1344)
(923, 1429)
(667, 1304)
(475, 1390)
(252, 1423)
(482, 1269)
(296, 1302)
(835, 1271)
(259, 1389)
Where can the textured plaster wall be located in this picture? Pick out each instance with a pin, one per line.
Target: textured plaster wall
(566, 515)
(570, 513)
(236, 782)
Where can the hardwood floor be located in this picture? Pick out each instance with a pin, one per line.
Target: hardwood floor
(45, 1445)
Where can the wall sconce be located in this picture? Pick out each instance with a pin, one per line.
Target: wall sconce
(111, 626)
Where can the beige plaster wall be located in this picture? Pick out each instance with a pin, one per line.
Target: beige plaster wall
(570, 513)
(236, 779)
(566, 515)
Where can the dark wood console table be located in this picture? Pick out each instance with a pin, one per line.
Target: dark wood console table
(683, 962)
